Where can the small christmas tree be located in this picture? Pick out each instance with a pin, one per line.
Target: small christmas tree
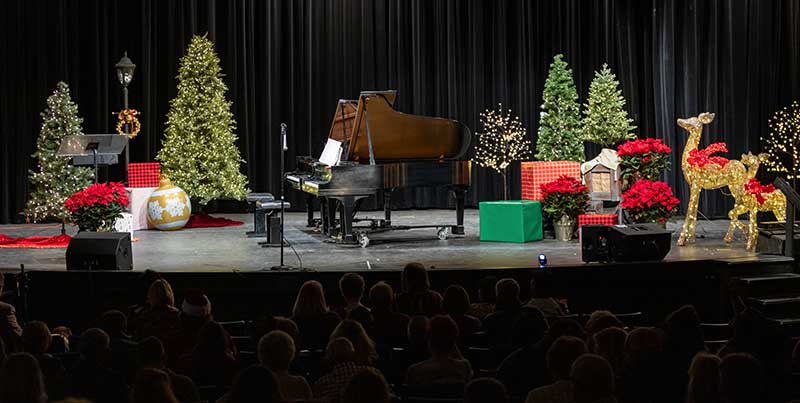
(560, 123)
(606, 121)
(782, 144)
(199, 152)
(502, 142)
(54, 179)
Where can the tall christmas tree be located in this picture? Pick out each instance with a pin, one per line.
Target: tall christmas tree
(199, 152)
(504, 140)
(560, 123)
(606, 120)
(54, 179)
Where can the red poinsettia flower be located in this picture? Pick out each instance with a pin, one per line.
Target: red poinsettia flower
(98, 205)
(650, 201)
(643, 158)
(564, 196)
(643, 146)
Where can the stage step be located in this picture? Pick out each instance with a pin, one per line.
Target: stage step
(781, 307)
(754, 266)
(770, 285)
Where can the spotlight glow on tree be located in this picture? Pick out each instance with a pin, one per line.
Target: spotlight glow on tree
(782, 144)
(502, 142)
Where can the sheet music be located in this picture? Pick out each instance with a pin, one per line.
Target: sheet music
(332, 153)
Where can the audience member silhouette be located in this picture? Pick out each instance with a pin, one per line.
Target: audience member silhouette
(10, 330)
(365, 353)
(195, 312)
(593, 380)
(456, 305)
(368, 386)
(124, 355)
(741, 379)
(609, 343)
(36, 340)
(560, 357)
(389, 327)
(92, 378)
(254, 383)
(351, 285)
(152, 355)
(704, 378)
(160, 318)
(486, 298)
(152, 386)
(21, 380)
(312, 316)
(276, 351)
(485, 390)
(547, 305)
(417, 297)
(442, 367)
(214, 359)
(341, 354)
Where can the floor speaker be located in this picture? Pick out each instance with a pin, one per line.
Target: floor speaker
(624, 243)
(100, 251)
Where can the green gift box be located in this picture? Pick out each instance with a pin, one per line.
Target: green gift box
(511, 221)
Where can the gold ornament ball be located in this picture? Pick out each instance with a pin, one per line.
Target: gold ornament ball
(168, 208)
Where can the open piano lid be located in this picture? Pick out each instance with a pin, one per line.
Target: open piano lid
(396, 136)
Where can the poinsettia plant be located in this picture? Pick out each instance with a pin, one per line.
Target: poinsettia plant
(565, 196)
(643, 158)
(650, 201)
(96, 207)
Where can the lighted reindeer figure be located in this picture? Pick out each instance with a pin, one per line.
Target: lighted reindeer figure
(751, 197)
(703, 171)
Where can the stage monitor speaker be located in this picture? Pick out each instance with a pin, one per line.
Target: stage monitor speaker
(100, 251)
(624, 243)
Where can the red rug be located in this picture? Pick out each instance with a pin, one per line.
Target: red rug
(203, 220)
(35, 242)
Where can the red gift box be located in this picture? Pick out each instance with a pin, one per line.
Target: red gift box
(143, 174)
(536, 173)
(602, 219)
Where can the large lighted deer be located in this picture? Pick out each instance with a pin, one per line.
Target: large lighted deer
(703, 171)
(751, 197)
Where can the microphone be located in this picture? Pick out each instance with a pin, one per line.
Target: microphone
(283, 134)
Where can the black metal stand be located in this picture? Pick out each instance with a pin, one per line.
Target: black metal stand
(282, 266)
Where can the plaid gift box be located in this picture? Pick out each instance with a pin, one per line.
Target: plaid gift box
(536, 173)
(602, 219)
(143, 174)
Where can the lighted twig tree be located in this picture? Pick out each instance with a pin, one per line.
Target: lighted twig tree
(782, 144)
(502, 142)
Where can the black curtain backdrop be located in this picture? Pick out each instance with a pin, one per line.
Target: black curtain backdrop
(290, 60)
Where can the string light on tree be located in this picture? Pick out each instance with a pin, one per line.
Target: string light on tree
(782, 144)
(504, 140)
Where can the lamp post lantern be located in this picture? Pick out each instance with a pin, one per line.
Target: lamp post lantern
(125, 68)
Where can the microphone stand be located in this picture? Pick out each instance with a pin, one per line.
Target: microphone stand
(284, 148)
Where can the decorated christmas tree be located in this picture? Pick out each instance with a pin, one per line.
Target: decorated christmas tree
(560, 122)
(606, 121)
(199, 152)
(782, 144)
(54, 179)
(502, 142)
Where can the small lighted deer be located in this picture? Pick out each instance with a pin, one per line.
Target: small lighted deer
(703, 171)
(751, 197)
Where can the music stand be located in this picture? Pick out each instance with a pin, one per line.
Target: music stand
(93, 149)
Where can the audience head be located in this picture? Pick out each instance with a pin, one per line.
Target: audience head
(160, 294)
(486, 289)
(415, 278)
(507, 291)
(352, 287)
(196, 304)
(530, 328)
(381, 296)
(368, 386)
(254, 381)
(212, 339)
(741, 379)
(36, 338)
(21, 380)
(642, 344)
(456, 301)
(362, 343)
(276, 351)
(289, 327)
(442, 336)
(418, 328)
(94, 345)
(562, 354)
(610, 344)
(593, 378)
(152, 386)
(310, 301)
(704, 379)
(683, 332)
(151, 353)
(340, 350)
(114, 323)
(600, 320)
(482, 390)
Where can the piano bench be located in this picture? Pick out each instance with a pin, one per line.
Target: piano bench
(259, 197)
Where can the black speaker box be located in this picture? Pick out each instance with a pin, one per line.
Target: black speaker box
(100, 251)
(624, 243)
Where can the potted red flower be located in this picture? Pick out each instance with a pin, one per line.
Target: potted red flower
(564, 199)
(642, 159)
(650, 201)
(96, 207)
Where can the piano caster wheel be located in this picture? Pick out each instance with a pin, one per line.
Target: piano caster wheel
(363, 240)
(443, 233)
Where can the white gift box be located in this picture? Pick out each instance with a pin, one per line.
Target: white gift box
(138, 207)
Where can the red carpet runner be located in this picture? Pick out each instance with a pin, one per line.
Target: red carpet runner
(35, 242)
(203, 220)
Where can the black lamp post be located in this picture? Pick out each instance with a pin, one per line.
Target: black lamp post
(125, 69)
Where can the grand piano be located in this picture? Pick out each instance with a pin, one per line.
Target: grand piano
(377, 149)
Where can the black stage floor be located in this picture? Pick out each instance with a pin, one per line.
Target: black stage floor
(230, 250)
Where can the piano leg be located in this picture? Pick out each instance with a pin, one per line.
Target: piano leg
(323, 215)
(333, 207)
(310, 210)
(346, 219)
(459, 193)
(387, 207)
